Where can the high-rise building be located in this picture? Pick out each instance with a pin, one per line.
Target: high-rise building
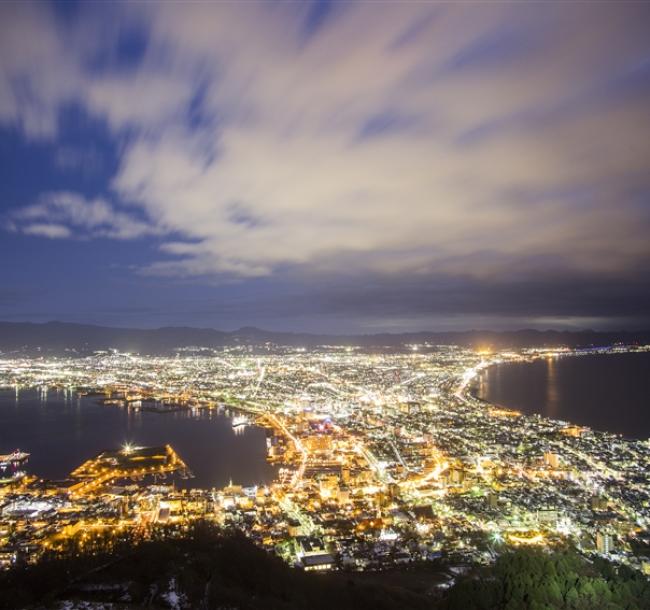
(552, 459)
(604, 542)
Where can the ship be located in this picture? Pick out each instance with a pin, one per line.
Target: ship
(239, 421)
(13, 458)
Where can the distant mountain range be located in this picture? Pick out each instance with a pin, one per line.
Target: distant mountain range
(59, 337)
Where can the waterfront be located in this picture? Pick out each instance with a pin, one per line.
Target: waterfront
(608, 392)
(62, 431)
(371, 450)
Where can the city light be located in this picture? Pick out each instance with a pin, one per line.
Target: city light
(372, 451)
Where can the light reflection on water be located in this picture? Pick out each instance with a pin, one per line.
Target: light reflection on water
(552, 389)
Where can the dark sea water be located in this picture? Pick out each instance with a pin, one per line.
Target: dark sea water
(609, 392)
(62, 433)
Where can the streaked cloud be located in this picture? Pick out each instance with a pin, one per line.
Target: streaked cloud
(470, 141)
(61, 215)
(53, 231)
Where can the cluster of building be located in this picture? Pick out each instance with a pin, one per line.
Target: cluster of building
(385, 458)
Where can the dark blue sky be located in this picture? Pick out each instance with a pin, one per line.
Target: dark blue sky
(322, 166)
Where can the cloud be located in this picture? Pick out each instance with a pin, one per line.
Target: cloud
(88, 160)
(38, 72)
(289, 151)
(60, 215)
(53, 231)
(470, 141)
(144, 100)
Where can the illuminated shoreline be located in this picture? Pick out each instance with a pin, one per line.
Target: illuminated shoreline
(375, 451)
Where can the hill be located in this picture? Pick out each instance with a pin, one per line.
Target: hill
(202, 568)
(60, 337)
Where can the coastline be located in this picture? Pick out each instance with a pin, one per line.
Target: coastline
(470, 389)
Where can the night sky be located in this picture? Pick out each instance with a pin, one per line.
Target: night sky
(330, 167)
